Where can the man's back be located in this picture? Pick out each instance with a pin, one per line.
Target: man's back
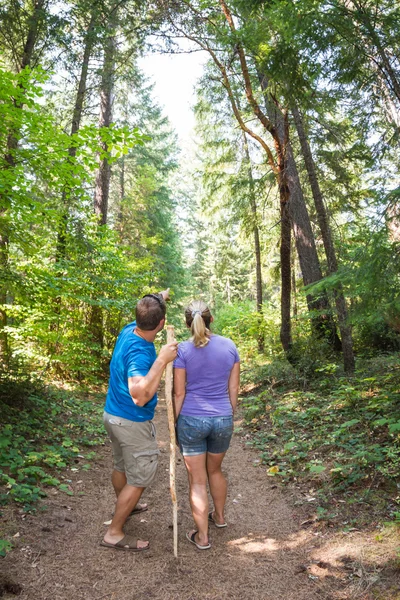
(133, 356)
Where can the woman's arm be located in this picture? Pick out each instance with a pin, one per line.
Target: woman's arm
(233, 385)
(179, 390)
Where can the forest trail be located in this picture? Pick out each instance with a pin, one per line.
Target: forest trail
(266, 553)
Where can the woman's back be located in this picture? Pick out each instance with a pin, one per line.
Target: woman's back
(207, 373)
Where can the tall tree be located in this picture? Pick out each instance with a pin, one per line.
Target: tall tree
(102, 188)
(22, 50)
(345, 329)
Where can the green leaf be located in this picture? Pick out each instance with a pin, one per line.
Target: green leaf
(317, 468)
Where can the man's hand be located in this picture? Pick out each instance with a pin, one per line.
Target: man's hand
(168, 352)
(143, 388)
(165, 294)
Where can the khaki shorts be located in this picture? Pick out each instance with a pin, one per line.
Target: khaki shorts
(134, 448)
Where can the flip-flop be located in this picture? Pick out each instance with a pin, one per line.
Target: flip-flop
(219, 525)
(127, 543)
(193, 541)
(139, 508)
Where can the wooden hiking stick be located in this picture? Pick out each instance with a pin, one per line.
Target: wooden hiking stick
(172, 443)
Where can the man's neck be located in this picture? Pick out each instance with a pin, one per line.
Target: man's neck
(149, 336)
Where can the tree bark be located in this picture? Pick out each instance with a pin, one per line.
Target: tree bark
(102, 188)
(323, 221)
(120, 215)
(294, 296)
(310, 266)
(286, 288)
(103, 177)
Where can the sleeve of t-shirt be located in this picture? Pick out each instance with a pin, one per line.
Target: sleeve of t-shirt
(235, 353)
(139, 363)
(179, 362)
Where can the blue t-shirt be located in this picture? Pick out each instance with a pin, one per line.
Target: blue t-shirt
(207, 376)
(133, 356)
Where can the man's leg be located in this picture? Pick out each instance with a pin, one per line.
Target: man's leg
(127, 499)
(130, 439)
(118, 480)
(218, 485)
(196, 468)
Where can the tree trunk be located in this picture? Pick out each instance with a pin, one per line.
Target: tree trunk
(285, 255)
(310, 266)
(102, 188)
(281, 144)
(61, 244)
(75, 126)
(257, 248)
(103, 177)
(345, 329)
(120, 215)
(294, 295)
(12, 145)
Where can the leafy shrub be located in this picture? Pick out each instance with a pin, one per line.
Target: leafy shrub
(342, 430)
(44, 432)
(240, 322)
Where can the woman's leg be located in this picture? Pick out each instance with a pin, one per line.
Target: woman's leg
(218, 485)
(197, 474)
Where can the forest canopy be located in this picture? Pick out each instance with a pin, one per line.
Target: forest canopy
(285, 208)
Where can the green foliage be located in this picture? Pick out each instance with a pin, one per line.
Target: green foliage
(60, 265)
(338, 430)
(371, 277)
(240, 322)
(5, 546)
(45, 432)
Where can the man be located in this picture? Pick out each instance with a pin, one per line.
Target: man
(135, 373)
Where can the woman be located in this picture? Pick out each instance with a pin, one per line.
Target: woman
(206, 384)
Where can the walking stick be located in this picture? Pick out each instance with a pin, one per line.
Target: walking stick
(172, 444)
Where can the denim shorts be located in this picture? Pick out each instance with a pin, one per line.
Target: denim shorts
(198, 435)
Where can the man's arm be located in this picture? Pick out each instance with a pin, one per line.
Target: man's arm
(143, 388)
(179, 390)
(233, 385)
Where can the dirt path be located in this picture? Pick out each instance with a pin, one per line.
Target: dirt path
(265, 553)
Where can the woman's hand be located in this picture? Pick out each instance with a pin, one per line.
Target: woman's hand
(179, 390)
(233, 385)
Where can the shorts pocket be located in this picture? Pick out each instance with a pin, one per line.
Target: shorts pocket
(224, 426)
(146, 465)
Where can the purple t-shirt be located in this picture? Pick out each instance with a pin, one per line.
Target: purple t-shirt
(207, 375)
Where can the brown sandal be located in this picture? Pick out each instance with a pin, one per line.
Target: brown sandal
(127, 543)
(139, 508)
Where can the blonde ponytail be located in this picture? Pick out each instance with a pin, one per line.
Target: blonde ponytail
(198, 318)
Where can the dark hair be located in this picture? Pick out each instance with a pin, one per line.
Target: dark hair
(198, 318)
(150, 310)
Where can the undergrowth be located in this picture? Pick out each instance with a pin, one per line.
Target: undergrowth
(45, 430)
(339, 433)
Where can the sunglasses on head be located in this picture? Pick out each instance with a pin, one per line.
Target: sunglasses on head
(155, 296)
